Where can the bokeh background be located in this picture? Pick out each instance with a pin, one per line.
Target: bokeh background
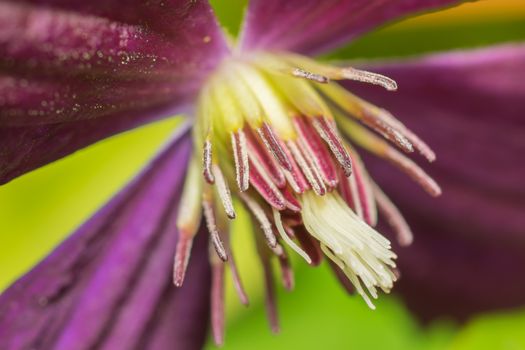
(38, 210)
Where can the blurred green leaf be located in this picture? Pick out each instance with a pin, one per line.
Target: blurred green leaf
(501, 331)
(318, 314)
(387, 42)
(229, 13)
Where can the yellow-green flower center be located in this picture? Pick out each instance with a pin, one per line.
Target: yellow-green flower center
(268, 131)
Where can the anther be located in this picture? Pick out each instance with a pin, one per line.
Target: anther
(318, 78)
(308, 169)
(369, 77)
(211, 223)
(295, 177)
(377, 120)
(207, 162)
(240, 154)
(315, 147)
(266, 188)
(272, 143)
(262, 158)
(260, 215)
(224, 192)
(328, 133)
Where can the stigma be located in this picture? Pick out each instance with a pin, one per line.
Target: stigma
(276, 134)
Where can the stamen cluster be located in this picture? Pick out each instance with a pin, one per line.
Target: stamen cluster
(267, 134)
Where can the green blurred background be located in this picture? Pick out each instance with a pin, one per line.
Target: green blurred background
(38, 210)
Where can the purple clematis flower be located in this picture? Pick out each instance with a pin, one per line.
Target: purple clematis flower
(271, 128)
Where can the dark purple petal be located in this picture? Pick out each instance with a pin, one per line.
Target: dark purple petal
(172, 40)
(104, 66)
(110, 282)
(316, 26)
(25, 148)
(469, 246)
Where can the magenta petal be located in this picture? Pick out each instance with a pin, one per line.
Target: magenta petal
(111, 280)
(74, 72)
(469, 244)
(316, 26)
(162, 40)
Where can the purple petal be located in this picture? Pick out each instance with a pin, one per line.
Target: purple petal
(78, 64)
(169, 40)
(111, 280)
(316, 26)
(28, 147)
(470, 243)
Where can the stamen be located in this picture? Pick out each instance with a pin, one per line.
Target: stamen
(308, 169)
(182, 256)
(309, 245)
(379, 147)
(240, 153)
(350, 193)
(270, 300)
(295, 177)
(329, 135)
(376, 121)
(272, 143)
(188, 220)
(369, 77)
(264, 159)
(217, 303)
(414, 171)
(291, 202)
(364, 190)
(266, 188)
(393, 217)
(418, 144)
(312, 142)
(207, 162)
(224, 192)
(237, 283)
(260, 215)
(286, 271)
(301, 73)
(211, 223)
(286, 238)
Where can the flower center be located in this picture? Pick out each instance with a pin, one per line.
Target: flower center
(275, 131)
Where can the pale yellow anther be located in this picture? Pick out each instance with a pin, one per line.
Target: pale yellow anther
(269, 100)
(247, 102)
(226, 107)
